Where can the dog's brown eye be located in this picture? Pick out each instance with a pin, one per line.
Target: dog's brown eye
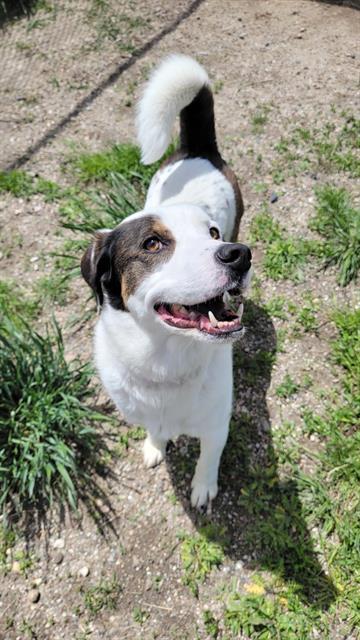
(152, 244)
(214, 233)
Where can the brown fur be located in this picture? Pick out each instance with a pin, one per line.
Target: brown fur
(117, 262)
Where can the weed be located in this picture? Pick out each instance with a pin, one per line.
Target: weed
(7, 541)
(305, 317)
(140, 615)
(217, 86)
(25, 561)
(133, 433)
(28, 630)
(254, 367)
(329, 148)
(285, 257)
(259, 118)
(23, 185)
(346, 348)
(267, 617)
(52, 289)
(122, 200)
(276, 307)
(104, 595)
(211, 624)
(48, 439)
(14, 302)
(339, 223)
(18, 183)
(200, 554)
(287, 388)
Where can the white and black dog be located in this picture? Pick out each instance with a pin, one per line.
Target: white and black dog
(164, 276)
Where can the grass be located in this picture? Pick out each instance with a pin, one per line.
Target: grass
(339, 224)
(285, 257)
(23, 185)
(287, 388)
(52, 289)
(15, 302)
(330, 148)
(260, 118)
(123, 159)
(298, 514)
(200, 553)
(49, 444)
(117, 27)
(102, 596)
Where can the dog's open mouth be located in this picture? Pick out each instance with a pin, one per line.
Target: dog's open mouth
(211, 316)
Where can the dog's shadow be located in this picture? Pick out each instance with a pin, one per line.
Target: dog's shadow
(260, 512)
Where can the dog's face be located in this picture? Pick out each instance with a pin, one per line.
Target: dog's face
(170, 270)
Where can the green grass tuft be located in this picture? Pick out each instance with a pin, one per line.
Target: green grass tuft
(104, 595)
(122, 159)
(339, 223)
(266, 617)
(285, 257)
(48, 441)
(200, 554)
(287, 388)
(14, 302)
(23, 185)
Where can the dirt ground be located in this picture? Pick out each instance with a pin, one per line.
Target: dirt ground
(64, 85)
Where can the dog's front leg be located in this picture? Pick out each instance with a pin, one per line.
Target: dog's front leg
(204, 483)
(153, 450)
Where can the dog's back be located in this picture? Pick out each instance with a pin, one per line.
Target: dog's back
(195, 172)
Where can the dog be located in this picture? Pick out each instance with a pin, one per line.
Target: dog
(165, 276)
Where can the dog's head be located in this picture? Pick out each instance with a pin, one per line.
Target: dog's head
(171, 271)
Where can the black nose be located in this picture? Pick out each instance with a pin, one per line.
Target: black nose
(234, 255)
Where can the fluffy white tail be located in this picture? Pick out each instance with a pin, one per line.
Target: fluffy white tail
(172, 86)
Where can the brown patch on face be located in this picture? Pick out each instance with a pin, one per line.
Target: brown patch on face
(117, 262)
(132, 261)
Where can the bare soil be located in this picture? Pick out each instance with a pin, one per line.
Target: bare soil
(64, 86)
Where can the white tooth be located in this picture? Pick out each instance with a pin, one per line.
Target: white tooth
(193, 315)
(240, 310)
(222, 324)
(176, 307)
(213, 320)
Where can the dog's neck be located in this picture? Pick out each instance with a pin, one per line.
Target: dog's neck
(155, 357)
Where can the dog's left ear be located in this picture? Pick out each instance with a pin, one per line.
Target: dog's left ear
(96, 263)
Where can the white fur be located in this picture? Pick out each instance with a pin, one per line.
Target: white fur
(196, 181)
(174, 381)
(172, 86)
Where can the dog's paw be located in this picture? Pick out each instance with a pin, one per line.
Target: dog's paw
(153, 454)
(202, 493)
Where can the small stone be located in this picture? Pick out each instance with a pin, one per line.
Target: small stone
(16, 567)
(34, 595)
(59, 543)
(148, 584)
(83, 572)
(135, 561)
(273, 197)
(58, 557)
(37, 582)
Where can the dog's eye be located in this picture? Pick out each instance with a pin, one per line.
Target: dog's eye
(214, 232)
(152, 244)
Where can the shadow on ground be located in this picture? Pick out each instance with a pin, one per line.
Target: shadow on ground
(261, 513)
(12, 9)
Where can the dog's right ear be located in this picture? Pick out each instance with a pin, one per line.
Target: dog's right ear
(96, 263)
